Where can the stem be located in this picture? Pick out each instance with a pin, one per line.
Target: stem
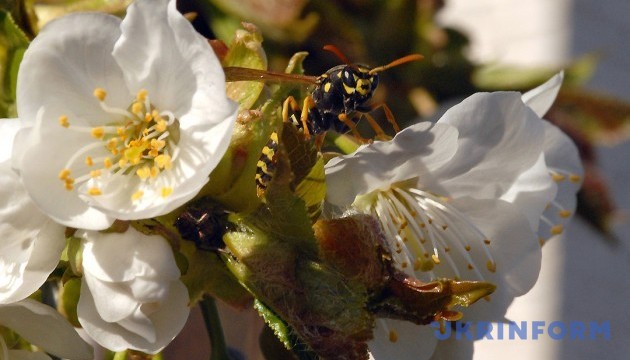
(214, 328)
(345, 143)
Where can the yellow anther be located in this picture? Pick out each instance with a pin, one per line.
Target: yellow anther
(154, 172)
(557, 177)
(575, 178)
(122, 163)
(417, 264)
(69, 184)
(136, 108)
(163, 161)
(564, 213)
(89, 161)
(142, 95)
(100, 94)
(393, 336)
(98, 132)
(137, 195)
(157, 144)
(467, 247)
(161, 125)
(112, 143)
(486, 241)
(470, 267)
(435, 258)
(148, 117)
(144, 172)
(94, 191)
(492, 266)
(95, 173)
(557, 230)
(64, 174)
(166, 191)
(63, 121)
(107, 163)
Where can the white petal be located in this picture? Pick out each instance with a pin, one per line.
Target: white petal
(514, 247)
(563, 160)
(414, 342)
(161, 52)
(168, 320)
(499, 138)
(113, 301)
(68, 59)
(453, 348)
(40, 167)
(414, 152)
(44, 327)
(532, 191)
(30, 243)
(541, 98)
(118, 257)
(8, 129)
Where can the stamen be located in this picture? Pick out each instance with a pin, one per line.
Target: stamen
(100, 94)
(63, 121)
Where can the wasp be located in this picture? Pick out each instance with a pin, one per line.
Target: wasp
(340, 97)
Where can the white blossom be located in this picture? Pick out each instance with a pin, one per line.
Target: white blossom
(472, 197)
(131, 296)
(121, 120)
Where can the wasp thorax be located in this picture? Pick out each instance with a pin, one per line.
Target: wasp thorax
(143, 145)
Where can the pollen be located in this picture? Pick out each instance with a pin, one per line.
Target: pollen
(486, 241)
(137, 195)
(89, 161)
(557, 230)
(143, 173)
(393, 336)
(435, 258)
(95, 173)
(64, 174)
(491, 266)
(136, 108)
(98, 132)
(142, 95)
(94, 191)
(564, 214)
(107, 163)
(163, 162)
(63, 121)
(575, 178)
(166, 191)
(100, 94)
(557, 177)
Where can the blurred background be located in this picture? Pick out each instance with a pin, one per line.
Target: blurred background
(469, 46)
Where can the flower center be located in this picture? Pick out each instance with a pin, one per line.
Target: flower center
(424, 230)
(143, 144)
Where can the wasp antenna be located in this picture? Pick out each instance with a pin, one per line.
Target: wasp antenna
(402, 60)
(335, 50)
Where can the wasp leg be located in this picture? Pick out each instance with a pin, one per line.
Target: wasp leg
(289, 103)
(389, 115)
(309, 103)
(349, 123)
(380, 134)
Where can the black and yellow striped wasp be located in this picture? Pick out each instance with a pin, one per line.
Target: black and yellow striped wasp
(340, 98)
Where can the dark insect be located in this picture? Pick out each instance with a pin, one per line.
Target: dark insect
(266, 166)
(340, 98)
(204, 225)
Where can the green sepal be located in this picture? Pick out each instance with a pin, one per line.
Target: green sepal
(13, 44)
(246, 51)
(208, 274)
(69, 299)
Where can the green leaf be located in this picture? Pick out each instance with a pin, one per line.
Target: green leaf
(13, 43)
